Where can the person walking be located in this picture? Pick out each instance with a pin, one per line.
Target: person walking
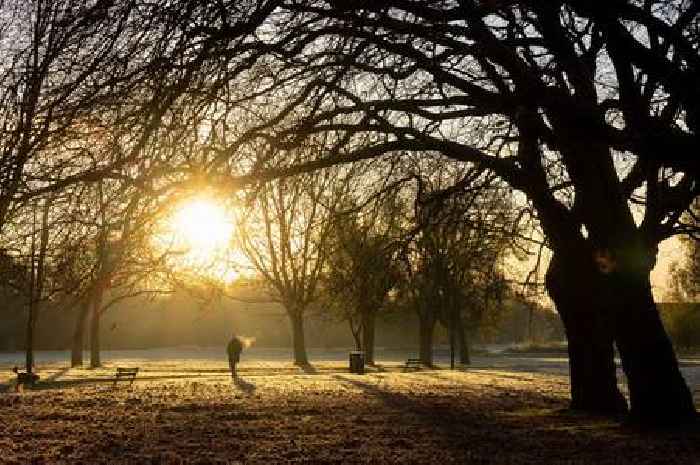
(234, 349)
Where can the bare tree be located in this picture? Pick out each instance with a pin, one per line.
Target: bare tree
(123, 260)
(362, 266)
(454, 259)
(35, 252)
(284, 232)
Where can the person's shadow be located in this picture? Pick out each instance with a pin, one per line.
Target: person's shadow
(243, 385)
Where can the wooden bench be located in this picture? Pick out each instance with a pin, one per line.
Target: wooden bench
(413, 364)
(125, 373)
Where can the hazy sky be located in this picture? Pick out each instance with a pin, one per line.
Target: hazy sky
(669, 251)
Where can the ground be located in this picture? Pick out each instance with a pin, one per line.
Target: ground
(506, 410)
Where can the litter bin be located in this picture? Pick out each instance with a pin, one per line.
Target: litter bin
(357, 362)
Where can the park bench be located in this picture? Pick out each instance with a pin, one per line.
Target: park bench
(125, 373)
(413, 364)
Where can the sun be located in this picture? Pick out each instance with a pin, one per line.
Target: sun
(203, 226)
(198, 237)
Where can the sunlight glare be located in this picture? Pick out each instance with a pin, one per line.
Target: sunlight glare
(200, 230)
(203, 226)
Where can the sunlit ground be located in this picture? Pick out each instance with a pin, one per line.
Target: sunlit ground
(185, 409)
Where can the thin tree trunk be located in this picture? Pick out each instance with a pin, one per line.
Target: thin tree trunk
(95, 316)
(368, 320)
(36, 279)
(78, 340)
(297, 320)
(29, 355)
(580, 300)
(462, 340)
(356, 330)
(358, 340)
(425, 330)
(452, 330)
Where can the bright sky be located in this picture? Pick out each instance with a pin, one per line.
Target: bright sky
(201, 229)
(670, 251)
(203, 225)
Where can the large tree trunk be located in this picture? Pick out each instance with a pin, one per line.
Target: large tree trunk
(368, 320)
(96, 314)
(298, 343)
(596, 309)
(77, 343)
(658, 392)
(580, 299)
(425, 329)
(606, 285)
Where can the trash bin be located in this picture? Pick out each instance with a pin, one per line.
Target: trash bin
(357, 362)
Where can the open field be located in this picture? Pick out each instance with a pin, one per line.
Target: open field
(183, 408)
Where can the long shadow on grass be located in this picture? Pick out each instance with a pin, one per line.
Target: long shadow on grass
(501, 373)
(506, 427)
(69, 383)
(308, 368)
(51, 379)
(57, 375)
(431, 409)
(243, 385)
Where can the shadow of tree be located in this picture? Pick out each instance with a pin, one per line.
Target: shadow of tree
(504, 420)
(57, 375)
(103, 380)
(308, 368)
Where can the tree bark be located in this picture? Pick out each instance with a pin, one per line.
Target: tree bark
(77, 343)
(368, 320)
(580, 300)
(658, 393)
(425, 329)
(598, 308)
(298, 343)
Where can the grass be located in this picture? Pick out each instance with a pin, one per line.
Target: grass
(177, 414)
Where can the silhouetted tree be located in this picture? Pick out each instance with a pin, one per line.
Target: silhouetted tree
(38, 242)
(454, 260)
(588, 108)
(284, 231)
(362, 266)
